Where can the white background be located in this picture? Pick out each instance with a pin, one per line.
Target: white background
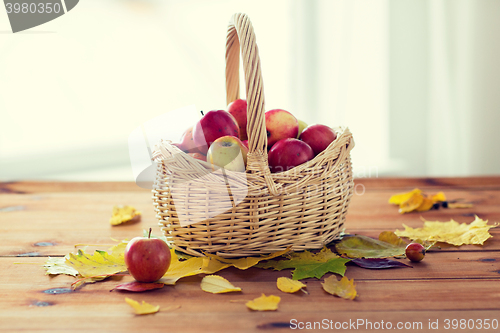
(416, 81)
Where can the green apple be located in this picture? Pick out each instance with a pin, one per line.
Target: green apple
(302, 125)
(228, 152)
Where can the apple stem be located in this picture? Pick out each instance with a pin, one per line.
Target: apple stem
(149, 235)
(201, 111)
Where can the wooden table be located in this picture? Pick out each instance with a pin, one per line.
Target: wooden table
(41, 219)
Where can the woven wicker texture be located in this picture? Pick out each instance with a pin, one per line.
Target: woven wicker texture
(236, 214)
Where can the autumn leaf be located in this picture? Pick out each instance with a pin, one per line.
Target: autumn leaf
(391, 238)
(450, 232)
(142, 308)
(398, 199)
(415, 200)
(179, 269)
(264, 303)
(378, 263)
(99, 264)
(138, 286)
(344, 288)
(247, 262)
(216, 284)
(307, 264)
(366, 247)
(123, 214)
(57, 265)
(287, 285)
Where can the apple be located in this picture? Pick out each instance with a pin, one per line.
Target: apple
(198, 156)
(302, 125)
(213, 125)
(238, 109)
(288, 153)
(318, 137)
(187, 143)
(147, 258)
(280, 124)
(228, 152)
(415, 252)
(245, 143)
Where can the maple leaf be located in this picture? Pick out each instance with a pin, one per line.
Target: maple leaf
(344, 288)
(57, 265)
(307, 264)
(367, 247)
(264, 303)
(287, 285)
(99, 264)
(138, 286)
(216, 284)
(124, 214)
(450, 232)
(142, 308)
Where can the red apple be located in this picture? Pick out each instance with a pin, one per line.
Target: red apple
(318, 137)
(213, 125)
(187, 142)
(147, 258)
(288, 153)
(245, 143)
(198, 156)
(238, 109)
(228, 152)
(280, 124)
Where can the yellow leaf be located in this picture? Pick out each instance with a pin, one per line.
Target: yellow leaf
(450, 232)
(438, 197)
(344, 288)
(216, 284)
(398, 199)
(100, 263)
(247, 262)
(264, 303)
(122, 214)
(179, 269)
(411, 203)
(142, 309)
(287, 285)
(57, 265)
(426, 205)
(391, 238)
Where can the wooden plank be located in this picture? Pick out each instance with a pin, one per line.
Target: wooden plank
(70, 218)
(94, 307)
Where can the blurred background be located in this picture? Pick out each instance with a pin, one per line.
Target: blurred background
(416, 81)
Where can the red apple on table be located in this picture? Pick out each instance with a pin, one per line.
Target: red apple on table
(213, 125)
(289, 153)
(238, 109)
(318, 137)
(228, 152)
(280, 124)
(147, 258)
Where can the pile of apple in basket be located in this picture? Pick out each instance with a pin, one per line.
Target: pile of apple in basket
(220, 136)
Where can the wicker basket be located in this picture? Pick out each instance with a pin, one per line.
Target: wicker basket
(304, 207)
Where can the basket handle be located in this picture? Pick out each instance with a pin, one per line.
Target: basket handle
(240, 34)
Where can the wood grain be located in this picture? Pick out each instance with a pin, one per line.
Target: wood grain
(451, 283)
